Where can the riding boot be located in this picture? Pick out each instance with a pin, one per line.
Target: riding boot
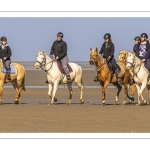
(46, 81)
(95, 79)
(8, 75)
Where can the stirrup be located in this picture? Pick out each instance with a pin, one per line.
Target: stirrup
(95, 79)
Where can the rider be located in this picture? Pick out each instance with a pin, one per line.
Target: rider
(5, 54)
(137, 40)
(144, 49)
(107, 50)
(59, 49)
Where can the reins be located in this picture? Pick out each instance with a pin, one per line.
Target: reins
(41, 64)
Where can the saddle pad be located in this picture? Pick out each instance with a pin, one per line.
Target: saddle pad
(12, 69)
(61, 68)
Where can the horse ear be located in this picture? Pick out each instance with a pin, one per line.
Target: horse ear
(43, 51)
(96, 49)
(38, 51)
(133, 53)
(90, 49)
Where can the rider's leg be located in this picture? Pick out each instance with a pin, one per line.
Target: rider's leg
(64, 62)
(113, 62)
(7, 64)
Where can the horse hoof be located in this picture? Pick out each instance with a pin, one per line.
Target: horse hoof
(55, 99)
(145, 102)
(117, 103)
(123, 103)
(69, 102)
(137, 104)
(16, 102)
(103, 104)
(51, 103)
(82, 101)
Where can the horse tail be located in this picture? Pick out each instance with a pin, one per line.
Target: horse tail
(23, 84)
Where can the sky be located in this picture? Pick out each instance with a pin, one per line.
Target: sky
(28, 35)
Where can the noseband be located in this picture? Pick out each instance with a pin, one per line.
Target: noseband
(95, 61)
(44, 63)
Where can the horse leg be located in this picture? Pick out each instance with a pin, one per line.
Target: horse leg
(119, 87)
(103, 92)
(14, 83)
(138, 89)
(126, 89)
(69, 85)
(20, 87)
(148, 88)
(50, 92)
(53, 93)
(133, 90)
(1, 90)
(141, 91)
(79, 84)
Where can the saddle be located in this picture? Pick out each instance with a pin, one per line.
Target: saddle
(61, 68)
(112, 69)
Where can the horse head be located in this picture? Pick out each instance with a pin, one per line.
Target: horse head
(130, 60)
(93, 56)
(123, 56)
(41, 59)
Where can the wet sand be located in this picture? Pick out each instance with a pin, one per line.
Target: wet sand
(34, 115)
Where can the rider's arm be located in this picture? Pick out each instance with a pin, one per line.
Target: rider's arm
(52, 50)
(101, 51)
(64, 52)
(9, 52)
(148, 51)
(112, 47)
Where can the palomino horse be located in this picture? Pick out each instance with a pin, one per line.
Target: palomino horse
(105, 77)
(17, 80)
(54, 76)
(140, 75)
(122, 57)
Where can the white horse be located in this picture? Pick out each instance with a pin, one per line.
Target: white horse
(140, 75)
(54, 76)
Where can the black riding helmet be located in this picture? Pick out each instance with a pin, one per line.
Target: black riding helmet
(3, 38)
(60, 34)
(107, 36)
(137, 38)
(144, 35)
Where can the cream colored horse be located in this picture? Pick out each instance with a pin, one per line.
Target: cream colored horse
(17, 80)
(54, 76)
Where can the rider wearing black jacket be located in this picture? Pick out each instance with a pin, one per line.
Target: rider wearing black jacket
(107, 51)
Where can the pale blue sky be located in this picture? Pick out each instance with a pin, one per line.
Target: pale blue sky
(28, 35)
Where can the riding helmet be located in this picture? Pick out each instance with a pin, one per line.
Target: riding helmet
(137, 38)
(3, 38)
(107, 36)
(60, 34)
(144, 35)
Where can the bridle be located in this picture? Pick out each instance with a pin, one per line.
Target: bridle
(44, 63)
(95, 61)
(135, 66)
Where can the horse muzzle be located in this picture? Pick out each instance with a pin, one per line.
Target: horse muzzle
(129, 65)
(36, 66)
